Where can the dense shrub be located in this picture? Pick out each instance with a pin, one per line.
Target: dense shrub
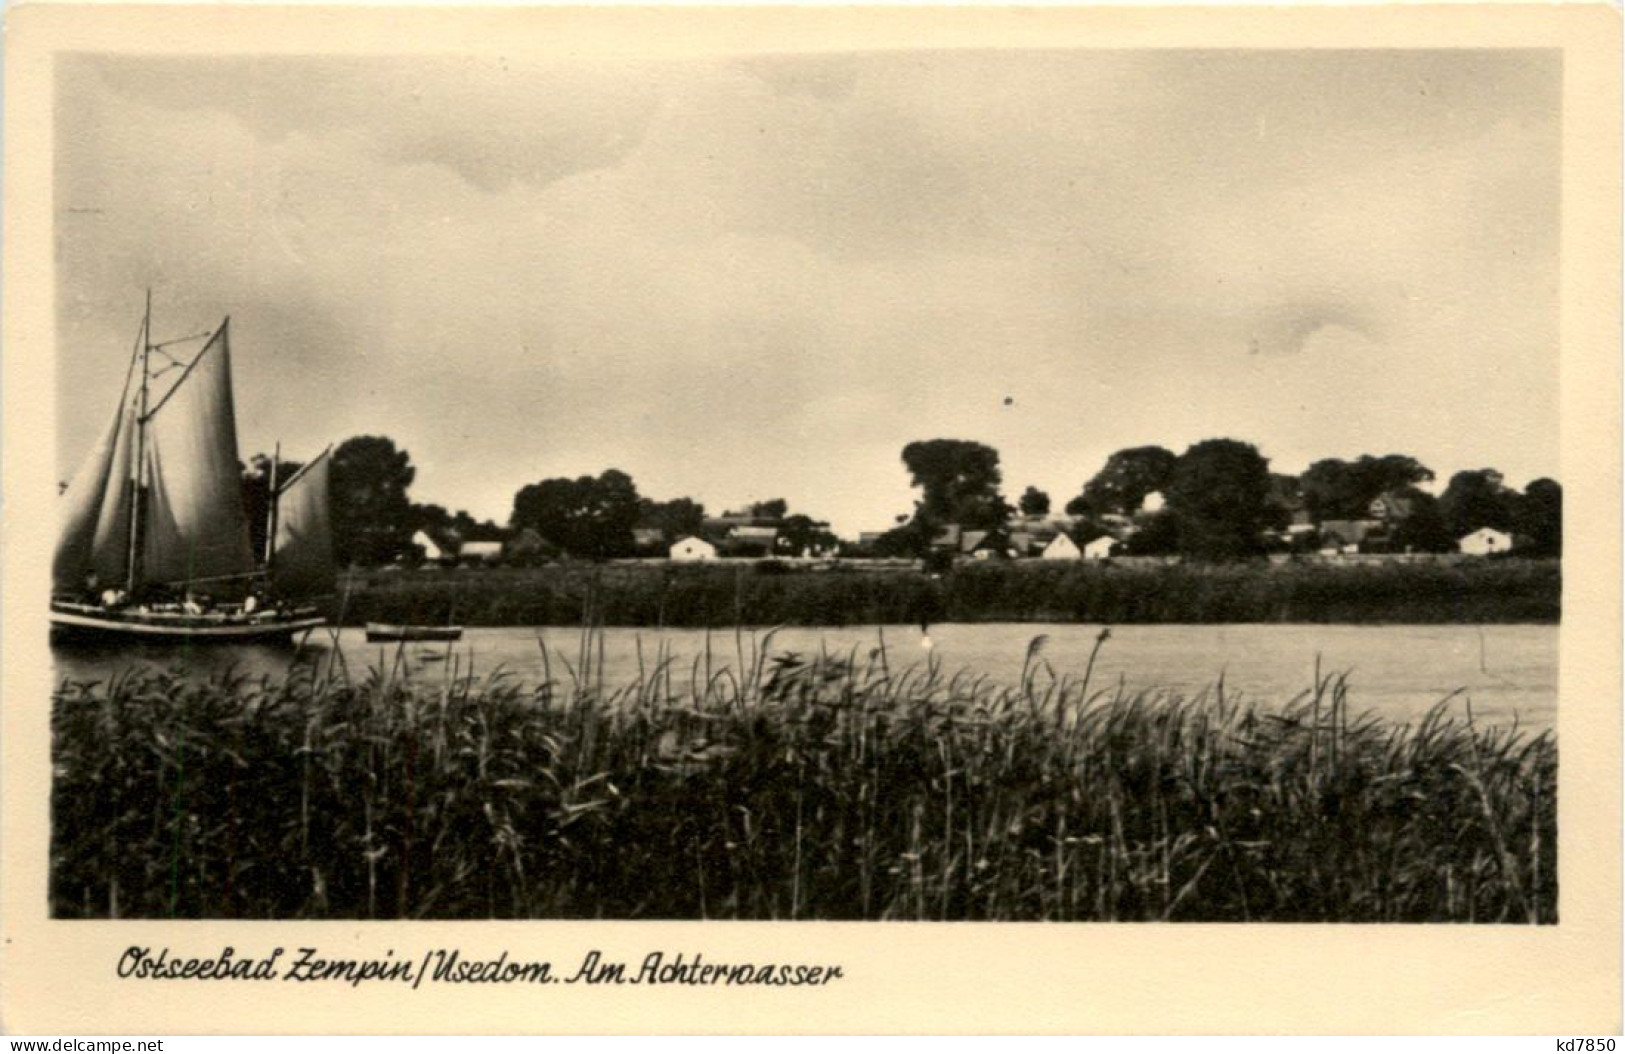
(1036, 591)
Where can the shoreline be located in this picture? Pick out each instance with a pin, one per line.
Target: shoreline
(722, 595)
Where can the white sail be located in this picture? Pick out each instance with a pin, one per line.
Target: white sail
(193, 521)
(302, 551)
(110, 547)
(95, 527)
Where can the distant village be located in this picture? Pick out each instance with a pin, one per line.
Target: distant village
(1108, 537)
(1216, 501)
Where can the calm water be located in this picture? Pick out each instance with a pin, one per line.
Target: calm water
(1396, 671)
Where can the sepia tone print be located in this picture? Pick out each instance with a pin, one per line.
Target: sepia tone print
(928, 485)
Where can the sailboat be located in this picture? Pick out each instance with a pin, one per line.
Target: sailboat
(154, 542)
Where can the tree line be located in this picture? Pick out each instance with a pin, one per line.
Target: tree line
(374, 518)
(1219, 501)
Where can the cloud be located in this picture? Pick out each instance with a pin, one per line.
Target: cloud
(1298, 327)
(491, 120)
(746, 278)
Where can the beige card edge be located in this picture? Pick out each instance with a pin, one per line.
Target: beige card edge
(58, 977)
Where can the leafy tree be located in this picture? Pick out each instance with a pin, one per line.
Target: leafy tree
(433, 520)
(586, 517)
(677, 518)
(1331, 491)
(257, 496)
(1540, 518)
(1284, 498)
(372, 516)
(431, 517)
(773, 509)
(454, 527)
(1390, 472)
(1122, 484)
(1034, 502)
(469, 529)
(1344, 490)
(1478, 498)
(1086, 527)
(912, 538)
(1157, 536)
(960, 482)
(800, 535)
(1423, 529)
(1217, 496)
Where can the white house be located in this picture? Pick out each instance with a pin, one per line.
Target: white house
(480, 553)
(691, 549)
(1099, 548)
(432, 553)
(1062, 548)
(1484, 541)
(748, 540)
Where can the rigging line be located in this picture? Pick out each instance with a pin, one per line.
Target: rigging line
(306, 467)
(189, 368)
(129, 371)
(183, 340)
(211, 578)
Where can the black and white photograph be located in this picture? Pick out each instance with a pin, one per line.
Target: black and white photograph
(796, 488)
(874, 484)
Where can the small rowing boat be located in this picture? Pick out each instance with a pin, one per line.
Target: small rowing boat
(383, 632)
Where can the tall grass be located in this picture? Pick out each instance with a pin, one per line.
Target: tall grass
(755, 785)
(1032, 591)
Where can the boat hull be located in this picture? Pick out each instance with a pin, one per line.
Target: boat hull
(90, 625)
(378, 632)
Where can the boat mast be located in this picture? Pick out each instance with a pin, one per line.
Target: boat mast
(270, 512)
(136, 484)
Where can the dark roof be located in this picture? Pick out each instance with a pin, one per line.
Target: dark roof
(1398, 505)
(970, 541)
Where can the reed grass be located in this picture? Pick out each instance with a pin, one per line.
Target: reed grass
(772, 594)
(783, 786)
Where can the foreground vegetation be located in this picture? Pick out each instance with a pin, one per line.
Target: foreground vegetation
(770, 594)
(810, 787)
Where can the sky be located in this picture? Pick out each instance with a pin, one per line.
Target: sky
(746, 277)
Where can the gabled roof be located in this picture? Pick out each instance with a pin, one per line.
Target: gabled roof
(432, 545)
(527, 538)
(1350, 530)
(1393, 503)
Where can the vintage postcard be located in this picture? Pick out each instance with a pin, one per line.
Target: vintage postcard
(811, 520)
